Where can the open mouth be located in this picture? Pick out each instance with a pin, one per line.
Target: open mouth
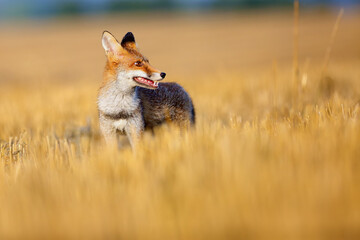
(146, 82)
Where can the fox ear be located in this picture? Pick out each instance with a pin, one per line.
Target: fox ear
(110, 44)
(128, 41)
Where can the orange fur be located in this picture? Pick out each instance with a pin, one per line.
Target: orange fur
(125, 59)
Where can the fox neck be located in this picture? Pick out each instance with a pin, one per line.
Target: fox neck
(118, 96)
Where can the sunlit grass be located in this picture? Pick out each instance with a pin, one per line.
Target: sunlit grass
(258, 164)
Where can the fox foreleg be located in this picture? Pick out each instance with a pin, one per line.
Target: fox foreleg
(133, 130)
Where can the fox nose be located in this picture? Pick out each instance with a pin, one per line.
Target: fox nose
(162, 75)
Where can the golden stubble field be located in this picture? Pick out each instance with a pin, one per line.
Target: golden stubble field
(269, 158)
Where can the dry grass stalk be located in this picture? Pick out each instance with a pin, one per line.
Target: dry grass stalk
(331, 43)
(296, 46)
(275, 84)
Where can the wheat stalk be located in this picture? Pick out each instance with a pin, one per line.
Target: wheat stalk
(332, 40)
(296, 44)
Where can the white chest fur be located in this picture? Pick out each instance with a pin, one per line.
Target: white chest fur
(116, 99)
(113, 99)
(120, 124)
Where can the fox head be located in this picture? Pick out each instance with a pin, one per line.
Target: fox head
(126, 65)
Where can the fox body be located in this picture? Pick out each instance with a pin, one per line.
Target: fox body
(131, 99)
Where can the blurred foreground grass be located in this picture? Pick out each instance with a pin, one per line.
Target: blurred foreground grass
(260, 163)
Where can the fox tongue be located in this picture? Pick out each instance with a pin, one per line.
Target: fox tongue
(146, 82)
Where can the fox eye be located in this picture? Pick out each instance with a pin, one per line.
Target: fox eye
(138, 63)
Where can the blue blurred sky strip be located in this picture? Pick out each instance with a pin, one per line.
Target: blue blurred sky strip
(46, 8)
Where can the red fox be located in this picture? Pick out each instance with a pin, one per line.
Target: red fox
(131, 99)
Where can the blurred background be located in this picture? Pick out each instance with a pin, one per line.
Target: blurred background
(46, 8)
(275, 152)
(42, 35)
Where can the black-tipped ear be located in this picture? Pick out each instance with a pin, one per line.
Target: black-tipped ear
(128, 38)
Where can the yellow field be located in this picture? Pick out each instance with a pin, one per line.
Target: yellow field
(270, 158)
